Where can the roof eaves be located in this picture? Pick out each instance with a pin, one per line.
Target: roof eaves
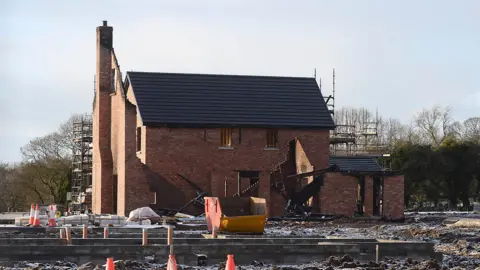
(382, 172)
(219, 74)
(220, 125)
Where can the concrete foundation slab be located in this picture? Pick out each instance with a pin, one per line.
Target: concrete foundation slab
(278, 251)
(44, 245)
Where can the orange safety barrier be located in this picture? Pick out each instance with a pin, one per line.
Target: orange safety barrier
(51, 217)
(230, 263)
(172, 263)
(110, 264)
(36, 220)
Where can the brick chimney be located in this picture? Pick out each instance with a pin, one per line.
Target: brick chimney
(102, 176)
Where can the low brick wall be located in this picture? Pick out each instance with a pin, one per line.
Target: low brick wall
(177, 241)
(284, 251)
(185, 254)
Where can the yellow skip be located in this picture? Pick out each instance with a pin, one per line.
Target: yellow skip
(250, 224)
(236, 214)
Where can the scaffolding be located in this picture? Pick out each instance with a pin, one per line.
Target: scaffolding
(343, 140)
(82, 163)
(368, 142)
(355, 138)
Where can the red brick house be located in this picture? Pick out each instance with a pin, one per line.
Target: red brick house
(224, 133)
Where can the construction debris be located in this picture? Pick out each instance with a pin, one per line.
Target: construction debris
(462, 222)
(144, 213)
(236, 214)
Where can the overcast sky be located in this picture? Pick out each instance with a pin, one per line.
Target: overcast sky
(397, 56)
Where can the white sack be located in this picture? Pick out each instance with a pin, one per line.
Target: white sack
(142, 214)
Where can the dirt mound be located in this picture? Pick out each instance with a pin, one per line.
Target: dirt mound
(417, 232)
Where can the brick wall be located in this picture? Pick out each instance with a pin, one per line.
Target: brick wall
(393, 197)
(137, 177)
(337, 195)
(195, 153)
(118, 148)
(135, 181)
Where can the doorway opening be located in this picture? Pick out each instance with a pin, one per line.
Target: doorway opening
(247, 183)
(378, 196)
(361, 195)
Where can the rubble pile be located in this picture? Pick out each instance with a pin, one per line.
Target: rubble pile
(460, 246)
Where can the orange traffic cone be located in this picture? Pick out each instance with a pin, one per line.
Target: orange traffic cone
(110, 264)
(172, 263)
(230, 263)
(32, 212)
(51, 219)
(36, 220)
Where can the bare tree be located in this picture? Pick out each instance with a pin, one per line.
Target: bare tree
(66, 133)
(472, 129)
(56, 145)
(34, 190)
(434, 124)
(4, 187)
(12, 194)
(46, 166)
(391, 131)
(469, 130)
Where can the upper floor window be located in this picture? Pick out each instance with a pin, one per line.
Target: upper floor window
(139, 139)
(272, 138)
(226, 137)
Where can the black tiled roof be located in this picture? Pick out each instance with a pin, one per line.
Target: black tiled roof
(355, 164)
(178, 99)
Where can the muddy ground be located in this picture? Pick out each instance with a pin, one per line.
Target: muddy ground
(460, 246)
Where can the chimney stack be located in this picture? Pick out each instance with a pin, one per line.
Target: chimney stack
(102, 156)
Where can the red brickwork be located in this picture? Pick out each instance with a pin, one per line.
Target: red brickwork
(118, 148)
(114, 152)
(136, 175)
(195, 153)
(337, 195)
(102, 154)
(393, 197)
(135, 181)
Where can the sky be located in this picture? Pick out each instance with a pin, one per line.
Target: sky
(395, 56)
